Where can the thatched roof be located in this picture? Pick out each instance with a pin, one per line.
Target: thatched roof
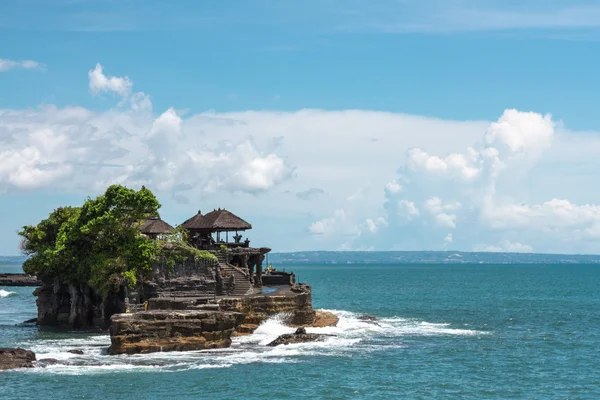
(155, 226)
(216, 220)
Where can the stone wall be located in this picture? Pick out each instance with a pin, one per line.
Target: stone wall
(192, 278)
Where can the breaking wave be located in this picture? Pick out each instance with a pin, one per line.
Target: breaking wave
(352, 336)
(4, 293)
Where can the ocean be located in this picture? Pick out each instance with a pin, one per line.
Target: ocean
(442, 332)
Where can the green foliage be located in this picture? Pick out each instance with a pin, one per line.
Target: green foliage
(177, 250)
(97, 243)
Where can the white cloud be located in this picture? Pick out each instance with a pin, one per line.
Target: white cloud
(448, 238)
(434, 16)
(391, 188)
(101, 83)
(6, 65)
(484, 201)
(407, 209)
(330, 225)
(446, 220)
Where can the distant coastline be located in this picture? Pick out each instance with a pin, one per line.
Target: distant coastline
(406, 257)
(425, 257)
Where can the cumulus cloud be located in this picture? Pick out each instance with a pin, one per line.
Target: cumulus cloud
(475, 192)
(6, 65)
(464, 183)
(99, 83)
(330, 225)
(73, 148)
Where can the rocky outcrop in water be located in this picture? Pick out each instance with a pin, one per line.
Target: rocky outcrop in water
(165, 330)
(294, 302)
(19, 280)
(16, 358)
(300, 336)
(79, 306)
(321, 319)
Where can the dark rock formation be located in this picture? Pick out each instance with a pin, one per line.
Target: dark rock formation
(75, 351)
(19, 280)
(76, 306)
(44, 362)
(79, 306)
(297, 305)
(300, 336)
(367, 318)
(155, 331)
(16, 358)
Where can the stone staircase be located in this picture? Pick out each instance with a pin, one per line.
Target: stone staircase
(242, 286)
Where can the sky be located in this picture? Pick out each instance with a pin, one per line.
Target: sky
(328, 125)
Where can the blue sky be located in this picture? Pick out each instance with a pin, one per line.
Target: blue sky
(302, 115)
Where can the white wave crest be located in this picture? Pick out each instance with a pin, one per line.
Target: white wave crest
(5, 293)
(351, 336)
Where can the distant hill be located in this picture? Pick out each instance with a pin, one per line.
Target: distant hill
(12, 259)
(425, 257)
(405, 257)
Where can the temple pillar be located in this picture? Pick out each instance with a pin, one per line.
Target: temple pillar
(259, 270)
(251, 265)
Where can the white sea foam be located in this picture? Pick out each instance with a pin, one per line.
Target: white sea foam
(5, 293)
(352, 335)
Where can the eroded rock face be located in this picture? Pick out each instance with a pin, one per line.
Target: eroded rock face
(167, 330)
(16, 358)
(297, 304)
(76, 306)
(300, 336)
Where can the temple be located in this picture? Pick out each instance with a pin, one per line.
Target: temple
(189, 300)
(212, 231)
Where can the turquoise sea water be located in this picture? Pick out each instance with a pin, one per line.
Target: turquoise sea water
(444, 331)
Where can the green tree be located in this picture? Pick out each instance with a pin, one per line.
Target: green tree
(98, 243)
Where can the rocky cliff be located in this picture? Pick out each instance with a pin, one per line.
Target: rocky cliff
(164, 330)
(77, 306)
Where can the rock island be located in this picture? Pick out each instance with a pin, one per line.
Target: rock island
(114, 264)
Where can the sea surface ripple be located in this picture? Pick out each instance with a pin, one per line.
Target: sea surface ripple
(442, 331)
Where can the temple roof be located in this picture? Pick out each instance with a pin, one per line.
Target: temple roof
(216, 220)
(155, 226)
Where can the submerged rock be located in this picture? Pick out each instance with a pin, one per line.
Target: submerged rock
(300, 336)
(44, 362)
(367, 318)
(16, 358)
(75, 351)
